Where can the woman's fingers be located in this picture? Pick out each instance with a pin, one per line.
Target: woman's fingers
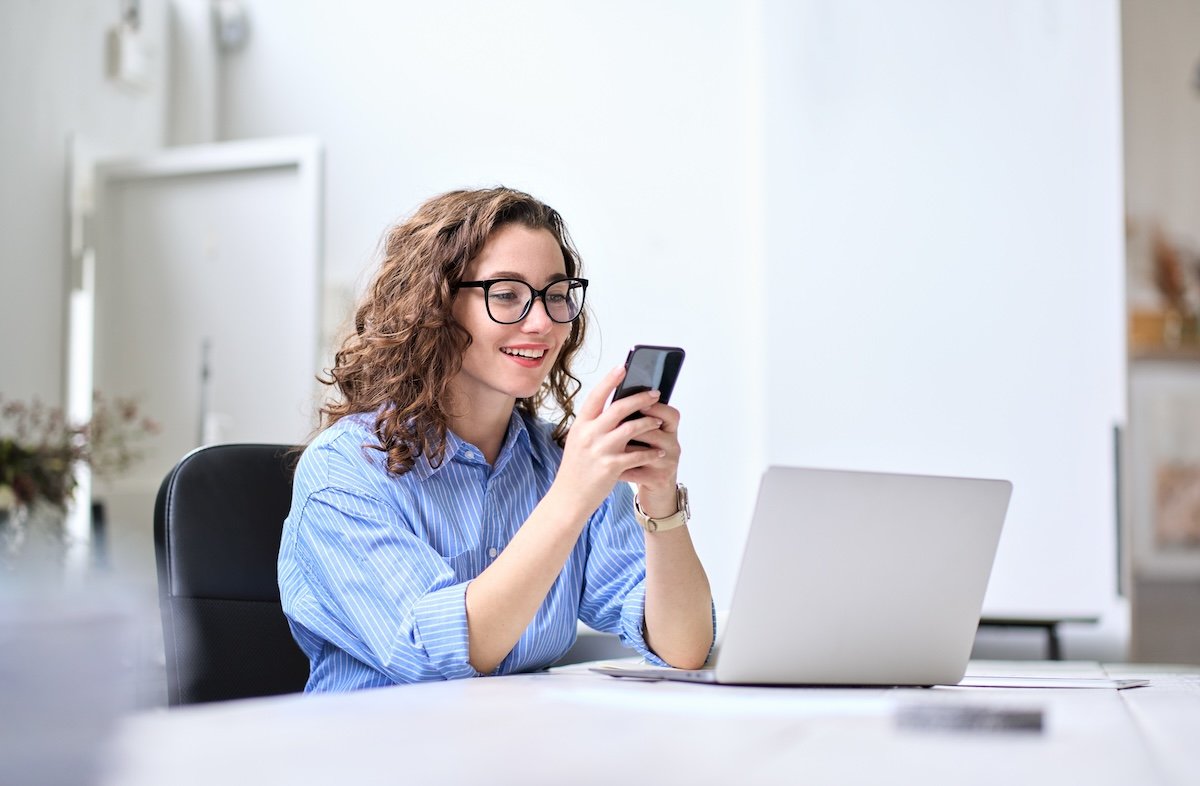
(666, 413)
(664, 433)
(645, 402)
(655, 440)
(598, 445)
(593, 405)
(620, 461)
(617, 411)
(643, 429)
(598, 453)
(636, 458)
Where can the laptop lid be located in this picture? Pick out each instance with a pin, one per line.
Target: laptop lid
(861, 578)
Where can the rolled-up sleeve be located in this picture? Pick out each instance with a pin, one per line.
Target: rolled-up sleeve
(366, 584)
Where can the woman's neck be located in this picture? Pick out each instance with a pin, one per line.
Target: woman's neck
(485, 429)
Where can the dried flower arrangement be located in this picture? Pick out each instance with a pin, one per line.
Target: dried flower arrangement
(1169, 275)
(39, 447)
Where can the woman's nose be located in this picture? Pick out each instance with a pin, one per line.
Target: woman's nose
(538, 319)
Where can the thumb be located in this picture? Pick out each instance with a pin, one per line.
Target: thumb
(593, 405)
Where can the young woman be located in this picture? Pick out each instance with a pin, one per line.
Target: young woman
(440, 529)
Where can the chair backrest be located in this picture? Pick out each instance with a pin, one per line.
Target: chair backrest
(217, 524)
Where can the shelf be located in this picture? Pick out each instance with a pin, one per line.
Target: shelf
(1180, 354)
(1189, 354)
(1163, 335)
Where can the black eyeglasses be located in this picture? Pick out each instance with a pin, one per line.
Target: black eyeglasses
(509, 300)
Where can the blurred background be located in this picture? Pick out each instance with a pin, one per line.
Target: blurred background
(924, 237)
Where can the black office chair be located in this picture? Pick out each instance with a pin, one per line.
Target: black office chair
(217, 522)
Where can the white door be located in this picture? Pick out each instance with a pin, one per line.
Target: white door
(202, 268)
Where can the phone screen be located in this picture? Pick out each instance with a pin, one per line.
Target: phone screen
(649, 368)
(645, 370)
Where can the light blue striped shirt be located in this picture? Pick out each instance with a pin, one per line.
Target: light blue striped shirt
(373, 568)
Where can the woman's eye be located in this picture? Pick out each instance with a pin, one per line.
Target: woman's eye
(503, 295)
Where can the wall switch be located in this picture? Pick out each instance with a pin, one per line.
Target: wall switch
(128, 61)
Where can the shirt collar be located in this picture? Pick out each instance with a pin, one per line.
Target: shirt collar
(454, 446)
(516, 436)
(458, 449)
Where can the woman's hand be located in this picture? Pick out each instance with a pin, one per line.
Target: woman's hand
(656, 479)
(598, 454)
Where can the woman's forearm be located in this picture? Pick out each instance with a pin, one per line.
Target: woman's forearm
(678, 600)
(503, 599)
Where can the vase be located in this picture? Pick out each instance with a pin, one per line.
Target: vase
(13, 523)
(32, 538)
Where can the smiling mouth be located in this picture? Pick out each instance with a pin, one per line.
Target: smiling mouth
(528, 354)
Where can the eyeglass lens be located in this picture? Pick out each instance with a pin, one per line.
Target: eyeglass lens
(510, 301)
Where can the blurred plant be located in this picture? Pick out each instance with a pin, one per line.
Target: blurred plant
(39, 448)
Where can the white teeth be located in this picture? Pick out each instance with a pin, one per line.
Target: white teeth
(533, 354)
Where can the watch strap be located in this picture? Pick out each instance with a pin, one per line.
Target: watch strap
(680, 517)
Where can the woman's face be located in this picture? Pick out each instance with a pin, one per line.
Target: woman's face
(508, 362)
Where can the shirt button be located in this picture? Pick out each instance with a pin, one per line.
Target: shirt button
(492, 552)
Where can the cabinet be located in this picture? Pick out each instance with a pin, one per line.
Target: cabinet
(1163, 461)
(1162, 484)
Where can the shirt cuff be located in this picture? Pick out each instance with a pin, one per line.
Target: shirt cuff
(440, 629)
(633, 619)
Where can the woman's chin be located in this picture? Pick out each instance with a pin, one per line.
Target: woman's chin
(524, 393)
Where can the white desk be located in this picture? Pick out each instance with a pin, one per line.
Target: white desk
(572, 726)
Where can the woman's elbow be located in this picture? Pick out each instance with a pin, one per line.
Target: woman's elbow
(692, 656)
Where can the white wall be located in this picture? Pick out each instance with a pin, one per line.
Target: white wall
(945, 188)
(944, 177)
(942, 180)
(52, 85)
(634, 119)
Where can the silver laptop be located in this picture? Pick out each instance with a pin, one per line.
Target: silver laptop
(856, 578)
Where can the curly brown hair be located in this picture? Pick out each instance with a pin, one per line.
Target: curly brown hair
(407, 347)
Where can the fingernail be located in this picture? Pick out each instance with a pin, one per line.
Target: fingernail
(655, 393)
(662, 453)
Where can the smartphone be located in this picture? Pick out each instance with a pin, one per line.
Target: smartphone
(649, 368)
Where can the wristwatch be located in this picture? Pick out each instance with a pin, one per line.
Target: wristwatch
(677, 519)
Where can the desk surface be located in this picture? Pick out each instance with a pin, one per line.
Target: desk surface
(572, 726)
